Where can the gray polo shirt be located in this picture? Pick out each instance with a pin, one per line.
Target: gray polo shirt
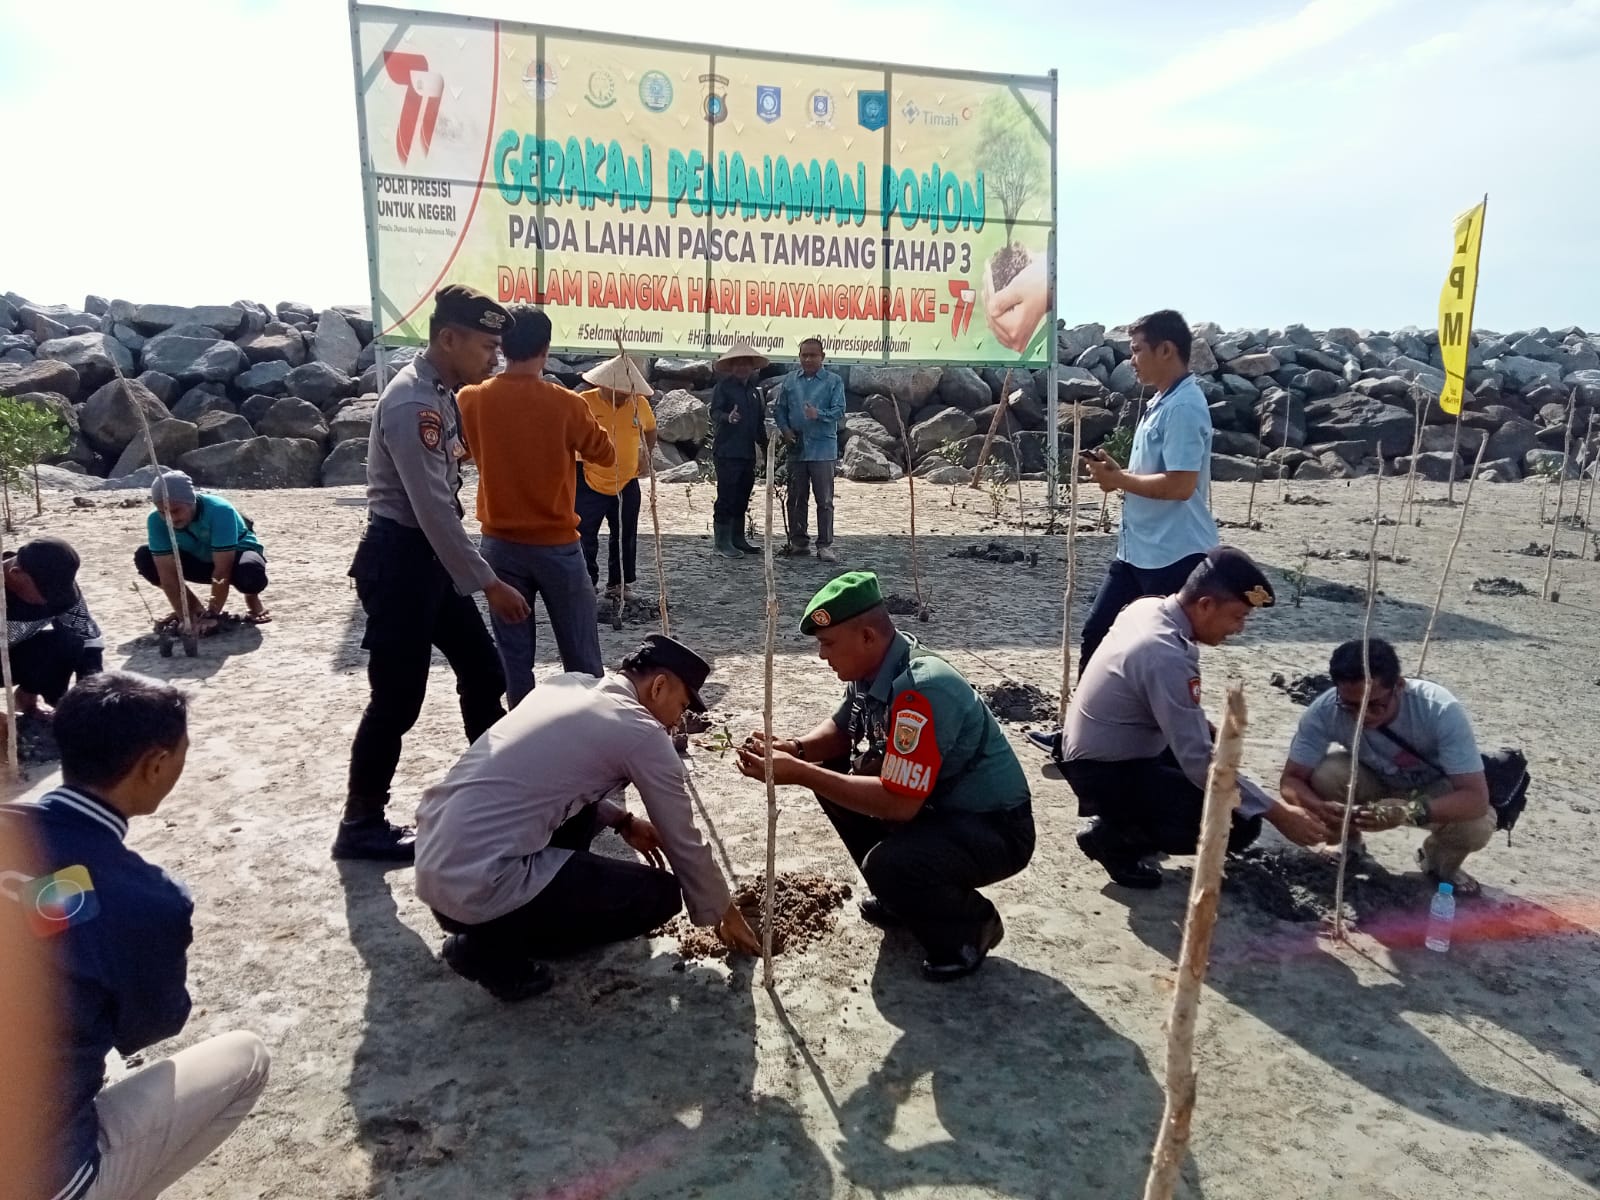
(1140, 695)
(414, 457)
(483, 831)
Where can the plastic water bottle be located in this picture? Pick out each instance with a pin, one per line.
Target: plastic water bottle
(1440, 914)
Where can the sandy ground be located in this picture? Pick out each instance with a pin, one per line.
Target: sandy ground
(1376, 1070)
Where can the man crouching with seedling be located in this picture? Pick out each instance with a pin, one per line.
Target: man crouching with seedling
(916, 776)
(216, 544)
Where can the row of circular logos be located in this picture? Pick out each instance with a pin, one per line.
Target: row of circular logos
(656, 95)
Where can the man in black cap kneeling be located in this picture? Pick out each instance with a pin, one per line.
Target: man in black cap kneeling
(1137, 746)
(503, 840)
(51, 636)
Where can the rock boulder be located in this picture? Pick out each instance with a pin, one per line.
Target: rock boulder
(109, 420)
(681, 416)
(259, 462)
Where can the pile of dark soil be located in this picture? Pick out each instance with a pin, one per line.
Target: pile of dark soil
(1296, 885)
(1011, 700)
(1007, 264)
(36, 740)
(636, 610)
(1292, 499)
(906, 606)
(1327, 553)
(1534, 550)
(1499, 586)
(997, 552)
(1302, 689)
(1255, 525)
(804, 910)
(1382, 520)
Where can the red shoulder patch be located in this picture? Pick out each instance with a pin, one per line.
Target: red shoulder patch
(1194, 689)
(911, 759)
(430, 428)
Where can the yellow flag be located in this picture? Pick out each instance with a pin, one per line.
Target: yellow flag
(1455, 305)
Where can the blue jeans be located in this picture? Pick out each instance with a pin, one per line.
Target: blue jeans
(558, 574)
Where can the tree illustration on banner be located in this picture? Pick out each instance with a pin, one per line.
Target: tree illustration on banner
(1013, 156)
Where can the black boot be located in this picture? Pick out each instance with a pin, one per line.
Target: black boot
(1122, 863)
(366, 834)
(740, 541)
(506, 983)
(969, 957)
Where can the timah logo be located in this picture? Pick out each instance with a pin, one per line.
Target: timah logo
(423, 91)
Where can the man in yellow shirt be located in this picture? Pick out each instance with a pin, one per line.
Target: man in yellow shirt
(620, 402)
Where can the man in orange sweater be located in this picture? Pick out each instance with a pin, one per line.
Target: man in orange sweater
(523, 431)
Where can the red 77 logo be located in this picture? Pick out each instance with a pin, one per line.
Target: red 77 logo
(962, 316)
(423, 90)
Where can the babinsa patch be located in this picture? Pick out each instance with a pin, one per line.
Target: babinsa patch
(911, 766)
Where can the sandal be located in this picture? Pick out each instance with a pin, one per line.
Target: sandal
(1461, 884)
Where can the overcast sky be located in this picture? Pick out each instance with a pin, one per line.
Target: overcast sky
(1253, 162)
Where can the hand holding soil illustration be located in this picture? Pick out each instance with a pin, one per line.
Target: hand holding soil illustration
(1015, 310)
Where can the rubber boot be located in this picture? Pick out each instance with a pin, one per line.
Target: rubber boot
(740, 541)
(722, 541)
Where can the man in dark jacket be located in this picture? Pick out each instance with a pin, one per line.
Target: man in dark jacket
(50, 633)
(738, 421)
(112, 931)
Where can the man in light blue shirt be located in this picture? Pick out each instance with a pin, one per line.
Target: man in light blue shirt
(1167, 526)
(807, 413)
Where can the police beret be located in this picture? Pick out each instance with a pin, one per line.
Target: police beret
(458, 304)
(850, 595)
(1233, 571)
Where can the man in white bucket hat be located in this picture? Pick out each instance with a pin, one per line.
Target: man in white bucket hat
(620, 402)
(739, 433)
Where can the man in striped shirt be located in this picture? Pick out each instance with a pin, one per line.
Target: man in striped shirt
(112, 932)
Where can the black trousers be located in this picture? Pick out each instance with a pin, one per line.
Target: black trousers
(620, 513)
(1148, 805)
(249, 574)
(1123, 584)
(591, 901)
(46, 663)
(929, 869)
(412, 607)
(736, 479)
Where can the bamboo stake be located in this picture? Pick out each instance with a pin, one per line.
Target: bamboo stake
(769, 889)
(1449, 558)
(1585, 451)
(1361, 713)
(911, 484)
(988, 438)
(1594, 479)
(1408, 496)
(13, 762)
(191, 624)
(1561, 494)
(1455, 454)
(1022, 513)
(1222, 796)
(1250, 506)
(655, 519)
(1072, 564)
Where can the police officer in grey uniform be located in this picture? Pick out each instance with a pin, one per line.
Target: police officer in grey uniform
(1137, 745)
(417, 570)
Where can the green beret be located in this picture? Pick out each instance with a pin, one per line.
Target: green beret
(458, 304)
(850, 595)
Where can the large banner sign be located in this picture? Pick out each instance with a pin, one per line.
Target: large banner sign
(682, 197)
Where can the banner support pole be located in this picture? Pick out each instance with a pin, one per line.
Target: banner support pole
(1052, 400)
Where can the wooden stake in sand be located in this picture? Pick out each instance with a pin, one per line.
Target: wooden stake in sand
(988, 438)
(1587, 469)
(1361, 713)
(1561, 494)
(1072, 567)
(13, 762)
(769, 889)
(911, 484)
(1222, 796)
(1408, 496)
(1449, 558)
(190, 622)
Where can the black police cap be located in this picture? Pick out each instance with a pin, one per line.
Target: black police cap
(668, 654)
(1232, 570)
(458, 304)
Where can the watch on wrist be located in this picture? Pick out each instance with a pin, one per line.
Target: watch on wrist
(799, 750)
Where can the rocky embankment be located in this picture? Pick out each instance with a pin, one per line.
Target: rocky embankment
(242, 395)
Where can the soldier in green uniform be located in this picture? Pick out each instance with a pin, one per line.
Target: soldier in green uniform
(913, 771)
